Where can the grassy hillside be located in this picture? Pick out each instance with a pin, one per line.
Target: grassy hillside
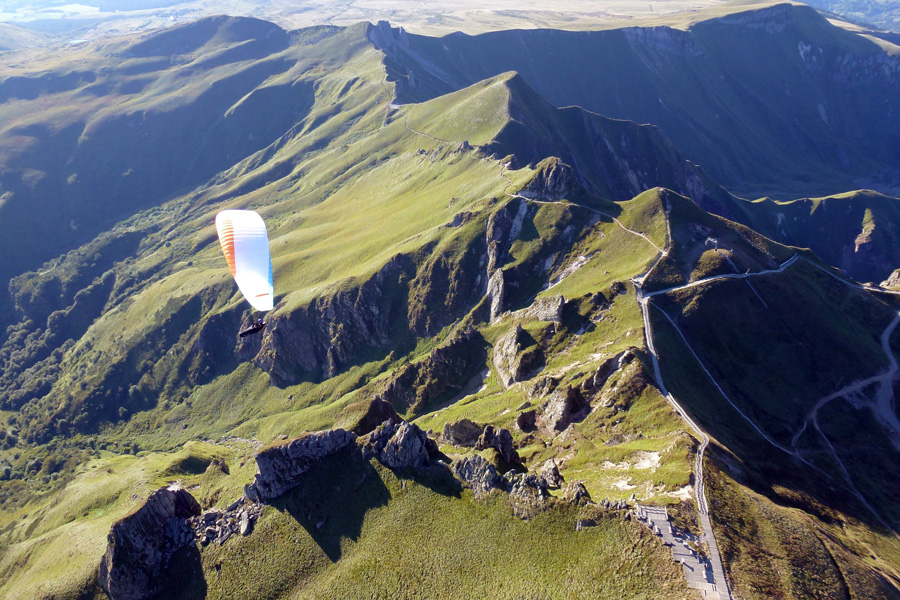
(410, 244)
(14, 37)
(803, 473)
(379, 218)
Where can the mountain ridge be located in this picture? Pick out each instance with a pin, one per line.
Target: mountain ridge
(646, 75)
(479, 257)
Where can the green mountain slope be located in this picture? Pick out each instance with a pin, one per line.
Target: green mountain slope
(479, 255)
(787, 382)
(14, 37)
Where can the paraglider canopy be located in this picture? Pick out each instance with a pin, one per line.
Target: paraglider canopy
(245, 244)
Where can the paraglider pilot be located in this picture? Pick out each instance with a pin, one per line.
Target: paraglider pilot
(255, 328)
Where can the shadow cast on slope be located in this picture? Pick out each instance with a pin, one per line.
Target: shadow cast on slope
(817, 486)
(184, 575)
(333, 498)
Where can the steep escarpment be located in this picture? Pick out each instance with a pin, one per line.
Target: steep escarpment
(150, 552)
(762, 99)
(855, 232)
(612, 159)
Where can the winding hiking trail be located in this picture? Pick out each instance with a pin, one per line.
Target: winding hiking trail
(882, 407)
(719, 582)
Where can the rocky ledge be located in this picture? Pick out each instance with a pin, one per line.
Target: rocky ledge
(141, 545)
(398, 445)
(216, 525)
(528, 492)
(280, 466)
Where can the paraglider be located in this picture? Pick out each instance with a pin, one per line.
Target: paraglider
(245, 244)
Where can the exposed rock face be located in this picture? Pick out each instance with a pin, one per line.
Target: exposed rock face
(576, 493)
(554, 181)
(591, 386)
(869, 256)
(332, 331)
(445, 371)
(477, 473)
(496, 292)
(564, 406)
(546, 309)
(527, 493)
(527, 421)
(398, 445)
(550, 474)
(504, 226)
(462, 433)
(279, 467)
(500, 440)
(140, 546)
(893, 281)
(542, 387)
(516, 355)
(218, 526)
(607, 504)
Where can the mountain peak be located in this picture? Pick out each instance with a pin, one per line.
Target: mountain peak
(209, 32)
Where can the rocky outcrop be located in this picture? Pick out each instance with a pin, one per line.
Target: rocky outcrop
(399, 445)
(576, 493)
(608, 504)
(569, 404)
(503, 227)
(139, 547)
(443, 372)
(549, 472)
(546, 309)
(279, 466)
(516, 356)
(553, 181)
(542, 387)
(870, 255)
(500, 440)
(565, 405)
(478, 474)
(527, 493)
(496, 291)
(892, 282)
(526, 421)
(462, 433)
(595, 382)
(218, 526)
